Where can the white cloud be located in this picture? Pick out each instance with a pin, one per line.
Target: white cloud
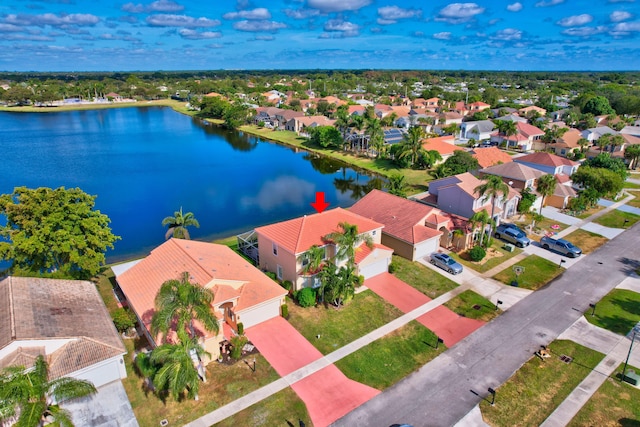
(508, 34)
(195, 35)
(584, 31)
(548, 3)
(10, 28)
(576, 20)
(340, 25)
(133, 8)
(391, 14)
(301, 13)
(445, 35)
(515, 7)
(181, 21)
(258, 26)
(619, 15)
(165, 6)
(328, 6)
(457, 13)
(80, 19)
(259, 13)
(625, 28)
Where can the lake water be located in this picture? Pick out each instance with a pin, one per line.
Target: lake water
(143, 164)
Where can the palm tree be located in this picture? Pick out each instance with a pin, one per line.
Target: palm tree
(603, 141)
(396, 184)
(178, 224)
(37, 397)
(346, 242)
(616, 141)
(546, 186)
(632, 152)
(376, 135)
(312, 259)
(180, 367)
(412, 144)
(342, 119)
(178, 303)
(481, 217)
(583, 143)
(552, 134)
(492, 187)
(506, 128)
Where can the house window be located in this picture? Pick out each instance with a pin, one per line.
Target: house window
(373, 233)
(275, 249)
(279, 272)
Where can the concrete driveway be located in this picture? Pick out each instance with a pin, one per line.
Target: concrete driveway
(443, 322)
(328, 393)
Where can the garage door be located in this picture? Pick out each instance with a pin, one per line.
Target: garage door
(426, 248)
(374, 269)
(260, 313)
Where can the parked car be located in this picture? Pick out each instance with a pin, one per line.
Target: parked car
(512, 234)
(565, 247)
(445, 262)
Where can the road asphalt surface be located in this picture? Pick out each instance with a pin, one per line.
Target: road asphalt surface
(446, 389)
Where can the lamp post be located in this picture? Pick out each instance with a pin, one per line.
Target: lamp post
(493, 395)
(593, 309)
(626, 362)
(498, 302)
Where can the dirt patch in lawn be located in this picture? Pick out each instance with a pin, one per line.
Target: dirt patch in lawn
(491, 254)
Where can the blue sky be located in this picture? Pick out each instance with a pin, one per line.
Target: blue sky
(107, 35)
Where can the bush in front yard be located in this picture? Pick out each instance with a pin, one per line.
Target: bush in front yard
(124, 319)
(237, 343)
(392, 267)
(477, 253)
(306, 297)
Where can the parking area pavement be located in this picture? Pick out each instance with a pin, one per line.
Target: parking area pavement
(535, 249)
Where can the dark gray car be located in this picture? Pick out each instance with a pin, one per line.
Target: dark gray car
(445, 262)
(565, 247)
(512, 234)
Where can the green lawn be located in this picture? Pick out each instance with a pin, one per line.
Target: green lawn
(338, 327)
(538, 272)
(635, 202)
(389, 359)
(614, 404)
(422, 278)
(586, 240)
(618, 311)
(281, 409)
(496, 255)
(540, 227)
(616, 219)
(631, 185)
(590, 212)
(470, 304)
(538, 387)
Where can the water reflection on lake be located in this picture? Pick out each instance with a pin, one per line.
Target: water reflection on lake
(146, 163)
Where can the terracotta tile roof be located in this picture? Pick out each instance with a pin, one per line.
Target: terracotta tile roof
(401, 110)
(442, 144)
(546, 159)
(50, 309)
(356, 108)
(630, 139)
(363, 251)
(562, 178)
(528, 130)
(299, 234)
(208, 264)
(490, 156)
(564, 191)
(570, 138)
(513, 170)
(402, 218)
(317, 120)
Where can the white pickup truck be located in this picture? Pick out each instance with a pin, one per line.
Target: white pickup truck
(560, 245)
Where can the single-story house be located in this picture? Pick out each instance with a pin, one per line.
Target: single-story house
(444, 145)
(593, 134)
(480, 130)
(516, 175)
(490, 156)
(65, 321)
(548, 163)
(298, 124)
(281, 245)
(567, 143)
(412, 229)
(526, 135)
(562, 194)
(530, 109)
(242, 293)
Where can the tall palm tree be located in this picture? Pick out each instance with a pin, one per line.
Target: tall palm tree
(583, 143)
(412, 144)
(312, 259)
(37, 397)
(481, 217)
(616, 141)
(492, 187)
(546, 186)
(178, 224)
(178, 303)
(552, 134)
(603, 141)
(347, 240)
(180, 367)
(396, 185)
(376, 135)
(506, 128)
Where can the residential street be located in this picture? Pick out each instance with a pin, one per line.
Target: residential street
(446, 389)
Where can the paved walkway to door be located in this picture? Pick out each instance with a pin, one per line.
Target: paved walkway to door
(328, 393)
(443, 322)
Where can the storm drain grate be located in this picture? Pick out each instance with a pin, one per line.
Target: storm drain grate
(566, 359)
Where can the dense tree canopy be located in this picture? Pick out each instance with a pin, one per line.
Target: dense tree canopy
(605, 161)
(598, 105)
(460, 162)
(604, 182)
(54, 232)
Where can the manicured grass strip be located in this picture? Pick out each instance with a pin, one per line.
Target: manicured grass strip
(586, 240)
(391, 358)
(537, 273)
(540, 227)
(501, 256)
(422, 278)
(281, 409)
(616, 219)
(615, 403)
(628, 184)
(590, 212)
(618, 311)
(338, 327)
(224, 384)
(538, 387)
(635, 202)
(470, 304)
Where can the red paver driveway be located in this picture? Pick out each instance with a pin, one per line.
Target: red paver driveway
(328, 393)
(443, 322)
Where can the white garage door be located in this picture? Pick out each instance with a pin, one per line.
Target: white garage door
(374, 269)
(426, 248)
(259, 314)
